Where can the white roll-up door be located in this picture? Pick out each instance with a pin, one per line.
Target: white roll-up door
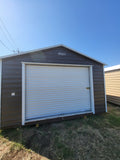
(52, 91)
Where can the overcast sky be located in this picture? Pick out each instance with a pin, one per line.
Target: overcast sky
(89, 26)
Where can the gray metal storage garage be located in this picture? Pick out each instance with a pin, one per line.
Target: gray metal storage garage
(50, 83)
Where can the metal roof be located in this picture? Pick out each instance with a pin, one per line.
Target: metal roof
(112, 68)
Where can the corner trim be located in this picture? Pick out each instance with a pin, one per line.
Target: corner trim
(105, 91)
(0, 91)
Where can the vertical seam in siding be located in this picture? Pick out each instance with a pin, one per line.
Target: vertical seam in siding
(105, 90)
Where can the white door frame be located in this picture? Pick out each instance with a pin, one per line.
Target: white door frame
(54, 64)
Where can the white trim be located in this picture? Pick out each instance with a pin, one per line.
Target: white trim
(105, 91)
(92, 90)
(0, 88)
(23, 94)
(59, 116)
(31, 51)
(53, 64)
(112, 68)
(83, 54)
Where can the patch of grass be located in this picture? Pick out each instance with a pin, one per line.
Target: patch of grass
(114, 120)
(63, 151)
(14, 134)
(90, 137)
(16, 147)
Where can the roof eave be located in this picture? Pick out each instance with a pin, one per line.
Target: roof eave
(112, 68)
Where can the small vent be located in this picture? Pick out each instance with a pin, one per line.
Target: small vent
(61, 54)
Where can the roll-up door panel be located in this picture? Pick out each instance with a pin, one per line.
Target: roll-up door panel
(56, 90)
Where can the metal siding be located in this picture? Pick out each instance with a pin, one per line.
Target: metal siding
(12, 80)
(112, 79)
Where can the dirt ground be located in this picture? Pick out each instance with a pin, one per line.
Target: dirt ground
(87, 138)
(12, 151)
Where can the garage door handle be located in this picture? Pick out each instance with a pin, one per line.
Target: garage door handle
(87, 87)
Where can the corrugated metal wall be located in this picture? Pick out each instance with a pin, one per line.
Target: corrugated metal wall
(12, 80)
